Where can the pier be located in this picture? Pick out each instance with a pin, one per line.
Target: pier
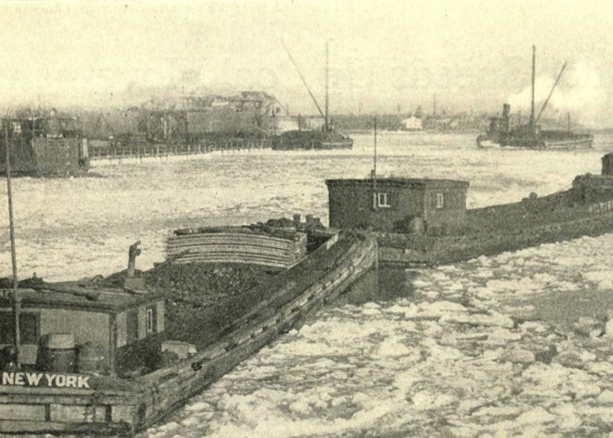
(161, 150)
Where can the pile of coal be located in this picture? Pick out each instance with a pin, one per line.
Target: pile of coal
(205, 283)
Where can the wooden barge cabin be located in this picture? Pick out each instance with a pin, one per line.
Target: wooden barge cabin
(79, 327)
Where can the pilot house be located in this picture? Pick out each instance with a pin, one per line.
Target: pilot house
(125, 329)
(395, 204)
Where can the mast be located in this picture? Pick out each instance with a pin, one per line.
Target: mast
(533, 78)
(304, 81)
(434, 105)
(16, 297)
(374, 170)
(326, 118)
(551, 92)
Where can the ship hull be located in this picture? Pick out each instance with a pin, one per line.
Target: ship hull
(565, 224)
(311, 140)
(123, 406)
(576, 142)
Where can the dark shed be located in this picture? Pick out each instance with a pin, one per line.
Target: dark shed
(390, 204)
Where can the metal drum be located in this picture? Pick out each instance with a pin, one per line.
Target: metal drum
(417, 226)
(56, 353)
(90, 359)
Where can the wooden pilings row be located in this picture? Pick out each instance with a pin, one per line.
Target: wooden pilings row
(166, 150)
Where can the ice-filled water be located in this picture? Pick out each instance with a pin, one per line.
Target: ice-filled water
(491, 347)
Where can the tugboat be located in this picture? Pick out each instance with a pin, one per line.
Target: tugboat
(531, 136)
(325, 139)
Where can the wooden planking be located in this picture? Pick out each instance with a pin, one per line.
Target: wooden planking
(78, 414)
(22, 412)
(40, 427)
(240, 246)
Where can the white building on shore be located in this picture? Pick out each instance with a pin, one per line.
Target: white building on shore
(412, 123)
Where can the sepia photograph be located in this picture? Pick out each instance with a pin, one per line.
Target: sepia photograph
(306, 218)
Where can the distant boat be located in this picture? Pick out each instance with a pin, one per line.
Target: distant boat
(530, 135)
(325, 139)
(311, 140)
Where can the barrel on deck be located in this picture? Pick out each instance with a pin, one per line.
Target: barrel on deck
(90, 359)
(56, 352)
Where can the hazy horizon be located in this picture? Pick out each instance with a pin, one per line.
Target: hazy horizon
(385, 55)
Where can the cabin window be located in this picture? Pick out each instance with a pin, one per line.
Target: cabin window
(383, 199)
(132, 326)
(440, 200)
(151, 320)
(29, 328)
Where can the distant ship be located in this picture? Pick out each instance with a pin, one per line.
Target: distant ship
(530, 135)
(311, 140)
(324, 139)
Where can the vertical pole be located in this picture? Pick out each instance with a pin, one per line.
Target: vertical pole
(569, 122)
(434, 105)
(16, 297)
(326, 122)
(374, 170)
(533, 80)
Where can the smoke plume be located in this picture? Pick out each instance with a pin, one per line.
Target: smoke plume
(579, 93)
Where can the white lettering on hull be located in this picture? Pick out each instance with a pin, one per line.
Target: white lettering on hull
(45, 379)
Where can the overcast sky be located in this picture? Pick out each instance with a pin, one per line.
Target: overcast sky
(475, 55)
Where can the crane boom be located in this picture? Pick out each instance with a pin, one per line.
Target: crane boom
(551, 92)
(304, 81)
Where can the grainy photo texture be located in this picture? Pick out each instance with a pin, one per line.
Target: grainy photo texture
(336, 219)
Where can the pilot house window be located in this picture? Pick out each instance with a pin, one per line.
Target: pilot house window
(151, 320)
(383, 200)
(440, 200)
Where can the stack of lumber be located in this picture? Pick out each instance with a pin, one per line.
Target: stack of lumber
(237, 245)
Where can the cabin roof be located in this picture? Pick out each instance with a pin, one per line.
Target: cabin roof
(414, 183)
(78, 296)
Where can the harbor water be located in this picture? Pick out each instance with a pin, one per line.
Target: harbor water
(493, 347)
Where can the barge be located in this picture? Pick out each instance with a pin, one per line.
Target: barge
(48, 145)
(102, 357)
(325, 139)
(424, 222)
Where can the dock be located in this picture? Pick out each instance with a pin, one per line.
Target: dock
(161, 150)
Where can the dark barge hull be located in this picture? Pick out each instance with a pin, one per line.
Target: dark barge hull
(555, 141)
(123, 406)
(311, 140)
(405, 250)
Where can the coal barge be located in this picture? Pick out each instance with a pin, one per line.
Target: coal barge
(424, 222)
(115, 355)
(531, 135)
